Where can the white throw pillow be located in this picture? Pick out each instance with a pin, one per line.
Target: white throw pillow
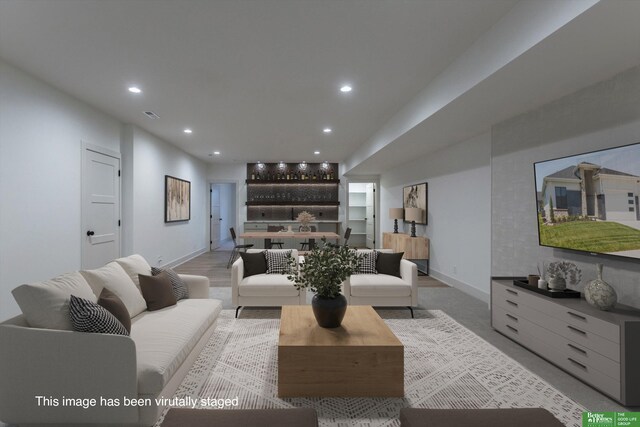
(114, 278)
(134, 265)
(46, 304)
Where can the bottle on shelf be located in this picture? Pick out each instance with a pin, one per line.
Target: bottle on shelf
(253, 176)
(314, 176)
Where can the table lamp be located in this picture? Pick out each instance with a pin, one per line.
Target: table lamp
(413, 215)
(395, 214)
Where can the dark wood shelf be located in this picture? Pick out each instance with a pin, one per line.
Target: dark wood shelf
(278, 203)
(291, 181)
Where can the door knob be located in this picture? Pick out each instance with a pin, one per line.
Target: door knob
(90, 233)
(220, 219)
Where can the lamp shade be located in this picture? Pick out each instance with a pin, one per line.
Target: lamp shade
(413, 214)
(396, 213)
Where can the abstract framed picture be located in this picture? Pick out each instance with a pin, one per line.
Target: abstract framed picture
(177, 199)
(415, 196)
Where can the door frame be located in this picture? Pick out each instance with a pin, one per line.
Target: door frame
(364, 179)
(236, 208)
(83, 183)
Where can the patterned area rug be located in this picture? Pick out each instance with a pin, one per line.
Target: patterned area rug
(446, 366)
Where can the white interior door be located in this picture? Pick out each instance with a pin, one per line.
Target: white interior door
(370, 201)
(215, 217)
(100, 208)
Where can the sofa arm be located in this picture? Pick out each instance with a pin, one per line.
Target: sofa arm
(409, 273)
(237, 274)
(198, 286)
(53, 363)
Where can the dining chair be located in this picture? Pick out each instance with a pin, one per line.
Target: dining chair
(236, 248)
(306, 242)
(275, 229)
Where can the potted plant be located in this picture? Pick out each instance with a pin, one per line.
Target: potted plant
(323, 270)
(561, 272)
(305, 218)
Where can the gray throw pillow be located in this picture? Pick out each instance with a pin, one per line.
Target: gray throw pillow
(178, 286)
(253, 263)
(389, 263)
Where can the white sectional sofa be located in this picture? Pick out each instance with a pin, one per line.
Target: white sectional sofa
(150, 363)
(383, 290)
(264, 290)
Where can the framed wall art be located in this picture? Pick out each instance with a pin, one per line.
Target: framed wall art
(415, 196)
(177, 199)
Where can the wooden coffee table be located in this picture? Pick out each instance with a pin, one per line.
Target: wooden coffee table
(361, 358)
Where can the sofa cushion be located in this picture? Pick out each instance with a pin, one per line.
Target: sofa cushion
(113, 277)
(267, 285)
(379, 285)
(87, 316)
(180, 290)
(278, 261)
(367, 262)
(165, 338)
(115, 306)
(254, 263)
(157, 291)
(46, 304)
(134, 265)
(389, 263)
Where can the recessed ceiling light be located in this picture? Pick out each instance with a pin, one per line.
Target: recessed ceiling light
(327, 130)
(316, 152)
(187, 130)
(217, 153)
(346, 88)
(135, 89)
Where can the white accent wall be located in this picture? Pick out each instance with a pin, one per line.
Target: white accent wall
(159, 242)
(232, 173)
(41, 132)
(41, 135)
(459, 211)
(600, 116)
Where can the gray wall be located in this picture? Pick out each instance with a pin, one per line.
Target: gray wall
(604, 115)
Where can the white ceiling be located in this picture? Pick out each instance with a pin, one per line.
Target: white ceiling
(255, 79)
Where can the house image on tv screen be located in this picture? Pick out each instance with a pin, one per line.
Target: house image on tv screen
(588, 189)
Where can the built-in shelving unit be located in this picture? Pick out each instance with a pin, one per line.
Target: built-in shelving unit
(358, 214)
(280, 191)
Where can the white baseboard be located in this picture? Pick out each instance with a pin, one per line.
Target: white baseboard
(464, 287)
(182, 260)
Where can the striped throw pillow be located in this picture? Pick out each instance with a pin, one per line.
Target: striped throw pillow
(177, 284)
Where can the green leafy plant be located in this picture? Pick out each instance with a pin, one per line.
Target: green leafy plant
(324, 269)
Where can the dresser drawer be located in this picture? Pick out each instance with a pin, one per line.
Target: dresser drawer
(579, 353)
(546, 306)
(538, 340)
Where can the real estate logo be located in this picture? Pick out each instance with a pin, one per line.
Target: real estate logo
(611, 419)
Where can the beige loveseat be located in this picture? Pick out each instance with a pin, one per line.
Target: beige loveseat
(264, 290)
(383, 290)
(150, 363)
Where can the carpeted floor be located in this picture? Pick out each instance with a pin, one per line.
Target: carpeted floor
(446, 366)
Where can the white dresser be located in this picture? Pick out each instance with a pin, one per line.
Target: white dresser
(598, 347)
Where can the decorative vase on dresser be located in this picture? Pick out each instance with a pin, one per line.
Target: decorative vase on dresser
(599, 293)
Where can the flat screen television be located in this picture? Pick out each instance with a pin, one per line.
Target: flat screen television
(589, 202)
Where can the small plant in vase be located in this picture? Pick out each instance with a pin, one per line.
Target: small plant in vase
(305, 218)
(559, 273)
(323, 271)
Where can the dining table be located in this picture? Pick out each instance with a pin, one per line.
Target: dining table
(269, 235)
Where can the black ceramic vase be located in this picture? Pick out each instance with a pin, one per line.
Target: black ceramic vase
(329, 312)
